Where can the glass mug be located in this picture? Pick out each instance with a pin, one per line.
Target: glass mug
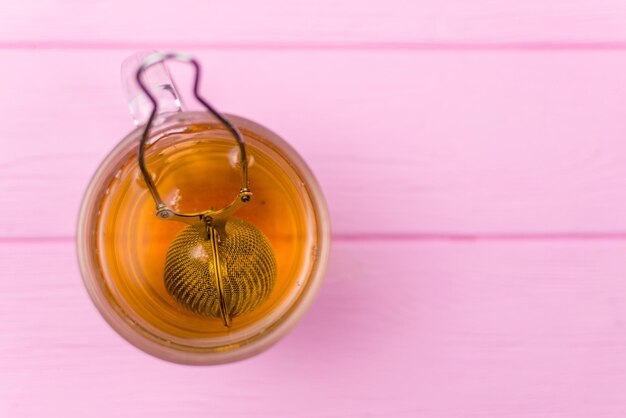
(164, 193)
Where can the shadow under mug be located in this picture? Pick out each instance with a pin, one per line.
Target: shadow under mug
(122, 245)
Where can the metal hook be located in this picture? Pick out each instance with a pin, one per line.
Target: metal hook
(163, 211)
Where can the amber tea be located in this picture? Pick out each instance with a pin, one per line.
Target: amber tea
(202, 237)
(197, 169)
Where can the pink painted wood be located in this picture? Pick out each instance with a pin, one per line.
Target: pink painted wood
(402, 329)
(414, 143)
(474, 162)
(394, 23)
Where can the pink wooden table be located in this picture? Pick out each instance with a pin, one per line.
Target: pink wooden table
(474, 161)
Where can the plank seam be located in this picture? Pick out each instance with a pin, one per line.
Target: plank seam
(364, 237)
(323, 46)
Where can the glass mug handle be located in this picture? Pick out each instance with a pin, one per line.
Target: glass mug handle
(144, 91)
(157, 79)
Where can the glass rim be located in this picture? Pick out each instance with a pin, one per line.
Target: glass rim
(146, 340)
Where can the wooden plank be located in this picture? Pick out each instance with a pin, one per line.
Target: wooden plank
(400, 329)
(159, 22)
(472, 143)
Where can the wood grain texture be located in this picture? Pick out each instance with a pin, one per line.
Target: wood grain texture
(389, 23)
(403, 329)
(428, 143)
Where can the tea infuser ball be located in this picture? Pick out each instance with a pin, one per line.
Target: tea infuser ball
(245, 266)
(218, 266)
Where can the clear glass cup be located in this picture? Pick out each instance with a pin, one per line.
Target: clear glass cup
(193, 160)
